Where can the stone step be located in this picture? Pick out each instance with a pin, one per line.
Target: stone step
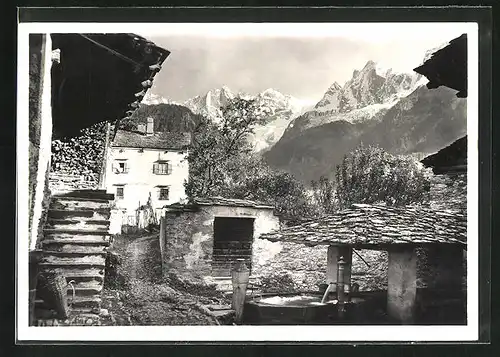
(223, 313)
(88, 194)
(82, 274)
(79, 302)
(78, 204)
(219, 307)
(85, 261)
(73, 254)
(69, 233)
(85, 288)
(74, 247)
(97, 214)
(94, 225)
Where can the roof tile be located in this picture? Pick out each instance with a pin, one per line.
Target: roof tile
(158, 140)
(413, 225)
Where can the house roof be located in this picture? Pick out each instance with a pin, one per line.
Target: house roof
(159, 140)
(219, 201)
(101, 77)
(448, 67)
(376, 226)
(452, 158)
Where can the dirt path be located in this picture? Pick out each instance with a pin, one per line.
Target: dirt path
(138, 255)
(147, 299)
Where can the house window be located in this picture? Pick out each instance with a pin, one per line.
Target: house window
(163, 193)
(120, 192)
(120, 167)
(162, 168)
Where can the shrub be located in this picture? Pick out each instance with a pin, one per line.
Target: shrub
(371, 175)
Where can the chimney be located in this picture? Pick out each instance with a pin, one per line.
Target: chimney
(150, 126)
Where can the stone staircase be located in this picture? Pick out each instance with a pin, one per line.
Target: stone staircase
(76, 237)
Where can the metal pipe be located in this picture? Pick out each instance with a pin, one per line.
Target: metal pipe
(340, 287)
(360, 257)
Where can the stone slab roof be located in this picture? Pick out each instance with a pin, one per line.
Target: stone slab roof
(104, 75)
(373, 226)
(158, 140)
(218, 201)
(452, 158)
(448, 67)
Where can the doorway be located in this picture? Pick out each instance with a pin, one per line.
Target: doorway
(233, 238)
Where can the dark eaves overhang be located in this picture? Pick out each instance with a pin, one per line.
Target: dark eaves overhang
(100, 77)
(449, 160)
(448, 67)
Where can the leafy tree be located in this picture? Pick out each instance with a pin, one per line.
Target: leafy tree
(221, 156)
(222, 163)
(371, 175)
(323, 192)
(288, 194)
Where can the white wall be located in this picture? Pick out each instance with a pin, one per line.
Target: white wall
(140, 181)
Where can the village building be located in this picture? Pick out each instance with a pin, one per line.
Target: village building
(400, 231)
(205, 237)
(145, 166)
(75, 81)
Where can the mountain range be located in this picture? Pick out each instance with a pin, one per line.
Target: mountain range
(375, 106)
(392, 110)
(279, 109)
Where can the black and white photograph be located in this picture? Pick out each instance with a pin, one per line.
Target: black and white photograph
(248, 181)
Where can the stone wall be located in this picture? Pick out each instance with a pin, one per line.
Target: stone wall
(187, 238)
(307, 265)
(35, 91)
(40, 132)
(187, 244)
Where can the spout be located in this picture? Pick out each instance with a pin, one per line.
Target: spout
(327, 291)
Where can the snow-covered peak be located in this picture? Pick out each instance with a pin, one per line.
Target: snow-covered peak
(271, 92)
(155, 99)
(383, 70)
(275, 110)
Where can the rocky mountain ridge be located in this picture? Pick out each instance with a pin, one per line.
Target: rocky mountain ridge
(277, 109)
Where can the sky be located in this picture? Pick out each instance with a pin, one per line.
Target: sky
(302, 60)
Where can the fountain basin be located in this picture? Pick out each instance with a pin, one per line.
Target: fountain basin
(298, 309)
(433, 307)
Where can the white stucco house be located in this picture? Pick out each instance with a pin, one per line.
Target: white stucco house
(142, 164)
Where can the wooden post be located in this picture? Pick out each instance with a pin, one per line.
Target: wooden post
(240, 277)
(402, 284)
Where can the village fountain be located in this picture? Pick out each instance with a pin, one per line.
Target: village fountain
(334, 305)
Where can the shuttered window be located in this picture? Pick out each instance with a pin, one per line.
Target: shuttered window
(120, 192)
(162, 168)
(163, 193)
(120, 167)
